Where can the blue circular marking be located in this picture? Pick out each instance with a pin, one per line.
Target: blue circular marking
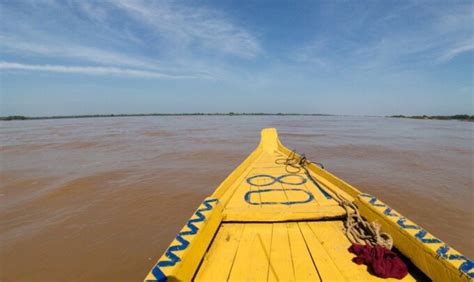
(288, 203)
(274, 180)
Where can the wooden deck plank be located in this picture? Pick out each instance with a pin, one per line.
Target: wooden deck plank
(288, 251)
(335, 244)
(303, 266)
(327, 268)
(281, 263)
(295, 196)
(329, 186)
(237, 200)
(277, 199)
(218, 261)
(253, 255)
(319, 197)
(235, 195)
(274, 198)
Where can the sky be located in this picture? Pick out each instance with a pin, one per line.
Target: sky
(61, 57)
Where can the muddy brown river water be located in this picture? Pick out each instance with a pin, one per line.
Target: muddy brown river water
(101, 199)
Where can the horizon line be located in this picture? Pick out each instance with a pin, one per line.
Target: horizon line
(438, 117)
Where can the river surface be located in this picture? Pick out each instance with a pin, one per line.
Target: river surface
(101, 199)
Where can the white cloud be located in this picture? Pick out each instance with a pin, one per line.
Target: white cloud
(191, 26)
(83, 53)
(90, 70)
(93, 11)
(151, 36)
(438, 36)
(455, 51)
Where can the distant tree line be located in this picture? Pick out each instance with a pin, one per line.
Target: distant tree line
(457, 117)
(17, 117)
(13, 118)
(157, 114)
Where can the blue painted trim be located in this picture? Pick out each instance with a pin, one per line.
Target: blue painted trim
(274, 180)
(388, 211)
(170, 252)
(401, 222)
(465, 267)
(159, 275)
(373, 202)
(248, 194)
(421, 236)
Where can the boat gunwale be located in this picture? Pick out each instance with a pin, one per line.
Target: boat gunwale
(410, 247)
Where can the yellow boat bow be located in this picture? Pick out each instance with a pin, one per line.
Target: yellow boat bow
(266, 224)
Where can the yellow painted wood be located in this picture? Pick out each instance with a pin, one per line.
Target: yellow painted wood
(303, 265)
(328, 234)
(327, 268)
(293, 214)
(219, 259)
(280, 255)
(227, 189)
(237, 199)
(253, 255)
(238, 209)
(289, 251)
(425, 256)
(280, 236)
(190, 257)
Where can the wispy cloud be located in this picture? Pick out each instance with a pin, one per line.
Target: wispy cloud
(91, 70)
(148, 36)
(456, 51)
(190, 26)
(391, 41)
(82, 53)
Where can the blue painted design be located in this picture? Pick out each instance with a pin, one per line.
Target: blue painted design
(170, 252)
(465, 267)
(159, 275)
(325, 194)
(249, 193)
(388, 211)
(421, 236)
(401, 222)
(274, 180)
(183, 243)
(373, 202)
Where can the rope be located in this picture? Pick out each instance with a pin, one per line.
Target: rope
(357, 229)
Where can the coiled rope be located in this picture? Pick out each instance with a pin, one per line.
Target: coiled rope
(357, 229)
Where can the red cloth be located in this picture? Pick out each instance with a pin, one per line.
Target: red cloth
(381, 262)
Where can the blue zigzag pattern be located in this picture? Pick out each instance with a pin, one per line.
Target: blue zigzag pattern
(421, 236)
(373, 200)
(170, 253)
(401, 221)
(442, 251)
(465, 267)
(388, 211)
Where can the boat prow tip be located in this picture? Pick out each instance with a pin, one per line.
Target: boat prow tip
(269, 139)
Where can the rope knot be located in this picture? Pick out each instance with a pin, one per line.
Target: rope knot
(357, 229)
